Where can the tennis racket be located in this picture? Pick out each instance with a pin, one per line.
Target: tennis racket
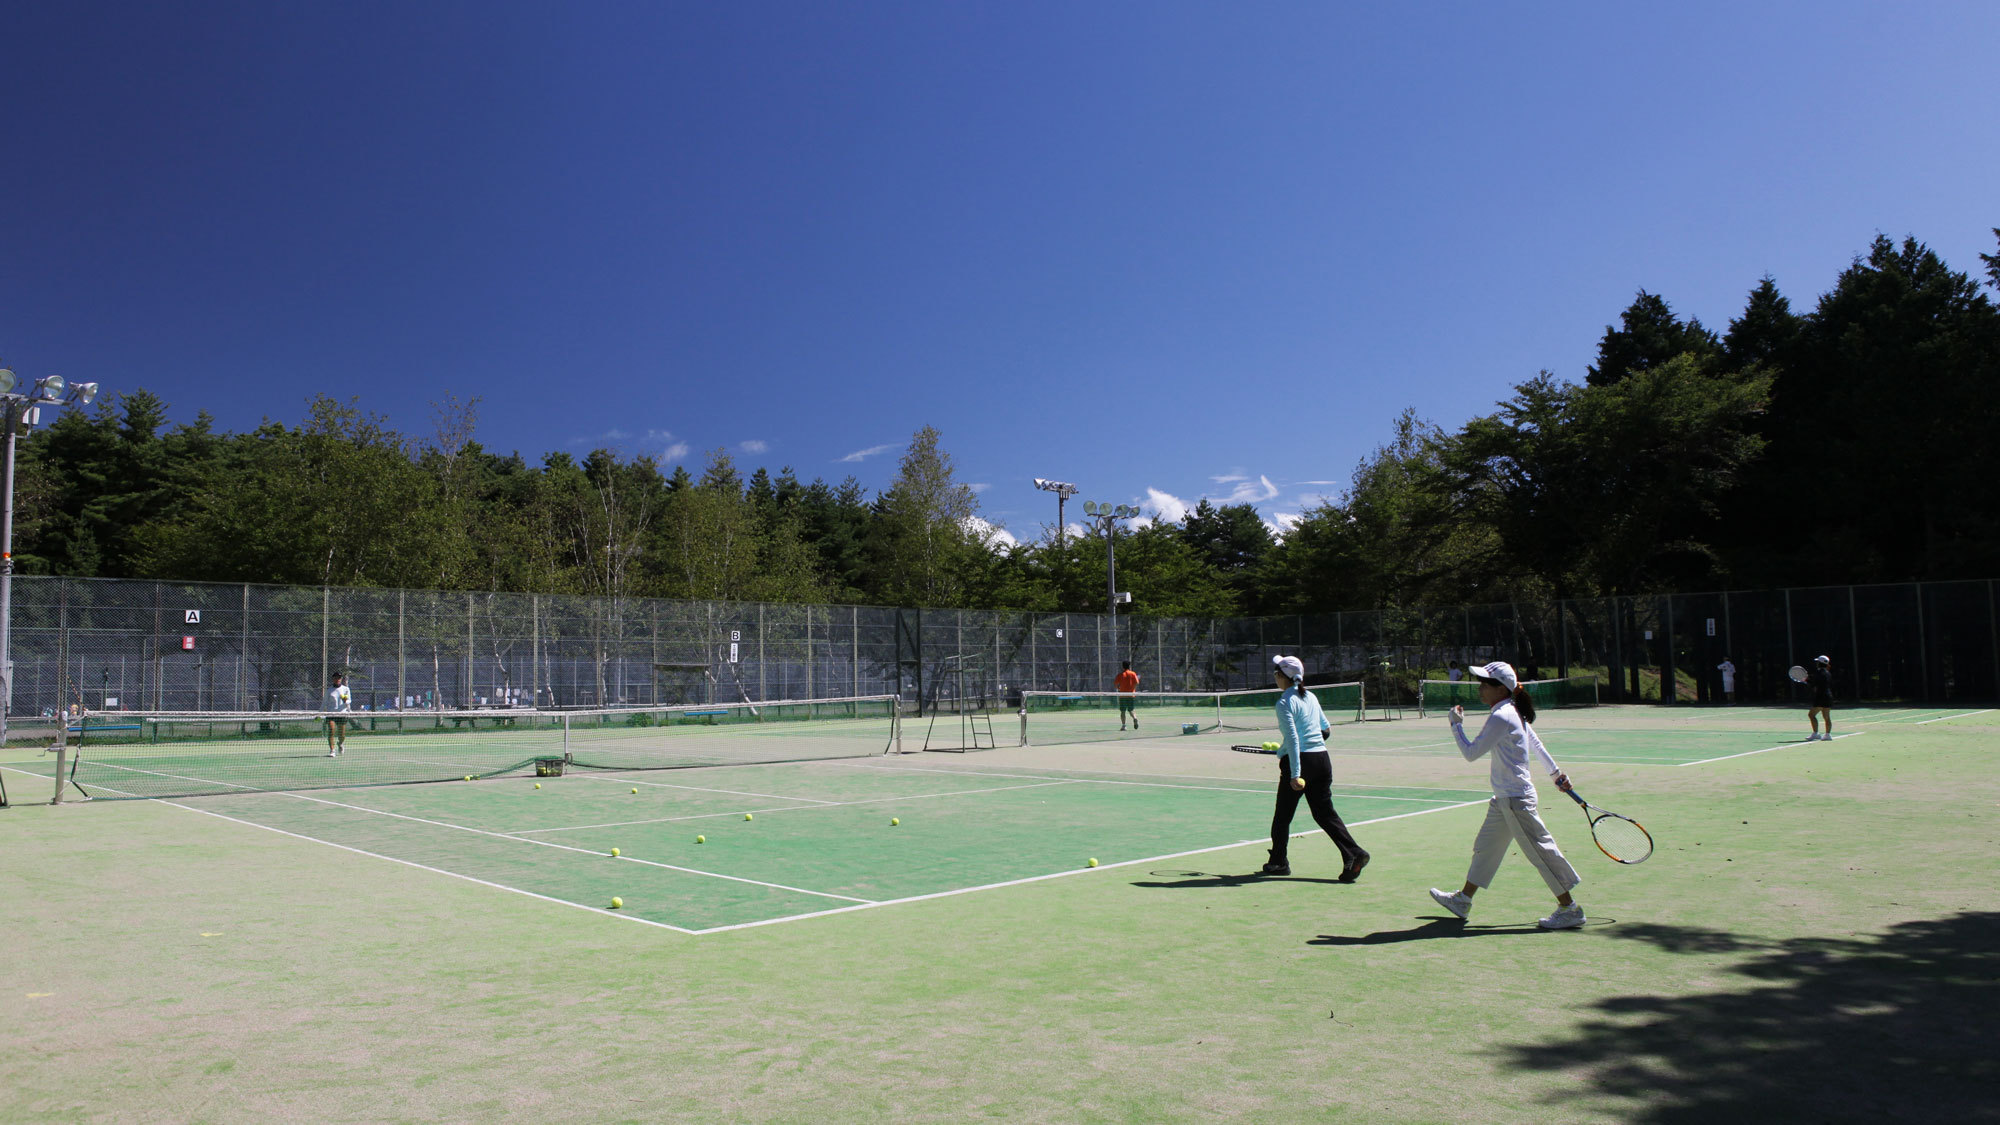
(1620, 837)
(1797, 674)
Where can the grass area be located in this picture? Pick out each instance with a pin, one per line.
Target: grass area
(1816, 939)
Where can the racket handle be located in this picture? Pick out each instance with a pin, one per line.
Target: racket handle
(1574, 797)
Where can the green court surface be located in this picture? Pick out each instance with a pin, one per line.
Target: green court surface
(1815, 939)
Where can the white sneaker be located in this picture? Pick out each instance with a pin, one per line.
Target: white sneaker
(333, 753)
(1565, 918)
(1457, 901)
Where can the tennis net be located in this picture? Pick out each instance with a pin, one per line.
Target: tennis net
(1050, 718)
(134, 755)
(1435, 697)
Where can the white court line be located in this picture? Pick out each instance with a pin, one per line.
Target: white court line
(1768, 749)
(566, 847)
(1055, 875)
(1265, 792)
(434, 870)
(1967, 715)
(701, 789)
(524, 832)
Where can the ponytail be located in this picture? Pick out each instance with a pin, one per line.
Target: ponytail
(1523, 704)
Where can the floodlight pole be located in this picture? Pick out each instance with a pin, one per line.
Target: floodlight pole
(1106, 517)
(25, 409)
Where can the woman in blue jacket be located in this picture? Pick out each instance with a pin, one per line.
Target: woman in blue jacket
(1305, 769)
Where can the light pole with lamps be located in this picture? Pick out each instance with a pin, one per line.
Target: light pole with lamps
(1106, 517)
(23, 411)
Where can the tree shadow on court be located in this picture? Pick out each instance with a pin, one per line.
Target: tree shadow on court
(1431, 929)
(1904, 1025)
(1195, 879)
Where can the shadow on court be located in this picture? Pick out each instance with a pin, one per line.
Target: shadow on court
(1433, 928)
(1196, 879)
(1904, 1025)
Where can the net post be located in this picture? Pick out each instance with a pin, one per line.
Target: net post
(62, 752)
(1024, 721)
(896, 723)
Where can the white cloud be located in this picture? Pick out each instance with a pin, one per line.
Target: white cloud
(1172, 508)
(1252, 491)
(1281, 523)
(754, 446)
(674, 452)
(1075, 530)
(978, 487)
(865, 454)
(994, 535)
(1229, 478)
(659, 435)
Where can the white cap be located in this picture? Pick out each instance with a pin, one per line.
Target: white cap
(1499, 672)
(1821, 660)
(1291, 667)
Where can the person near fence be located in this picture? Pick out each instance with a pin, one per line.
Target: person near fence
(1454, 672)
(1127, 683)
(1728, 671)
(1819, 681)
(1305, 769)
(1511, 815)
(339, 701)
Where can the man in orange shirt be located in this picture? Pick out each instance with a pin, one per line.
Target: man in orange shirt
(1128, 685)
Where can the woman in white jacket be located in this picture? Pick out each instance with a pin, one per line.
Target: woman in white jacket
(1511, 816)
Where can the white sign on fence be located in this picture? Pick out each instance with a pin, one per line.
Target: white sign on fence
(1711, 626)
(192, 617)
(735, 635)
(732, 652)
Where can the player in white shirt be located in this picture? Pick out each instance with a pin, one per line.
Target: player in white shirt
(339, 701)
(1728, 670)
(1511, 816)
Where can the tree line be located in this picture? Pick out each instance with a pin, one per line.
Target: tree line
(1847, 443)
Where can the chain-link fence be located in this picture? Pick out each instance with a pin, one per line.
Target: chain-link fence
(130, 645)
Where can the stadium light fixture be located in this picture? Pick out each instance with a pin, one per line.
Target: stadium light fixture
(1063, 490)
(23, 409)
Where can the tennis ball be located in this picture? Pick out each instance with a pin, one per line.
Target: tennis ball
(538, 785)
(614, 853)
(635, 790)
(894, 821)
(1093, 862)
(701, 839)
(468, 777)
(747, 816)
(617, 903)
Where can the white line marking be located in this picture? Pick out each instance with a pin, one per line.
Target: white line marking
(1768, 749)
(567, 848)
(434, 870)
(701, 789)
(1056, 875)
(1967, 715)
(788, 808)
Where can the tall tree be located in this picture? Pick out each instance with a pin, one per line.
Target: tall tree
(925, 541)
(1648, 335)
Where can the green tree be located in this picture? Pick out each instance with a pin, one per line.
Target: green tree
(924, 539)
(1648, 335)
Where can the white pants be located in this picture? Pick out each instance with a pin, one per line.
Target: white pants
(1511, 820)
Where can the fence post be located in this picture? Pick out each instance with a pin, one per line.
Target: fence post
(855, 612)
(809, 652)
(763, 690)
(1923, 645)
(242, 659)
(402, 635)
(1065, 635)
(1669, 688)
(1854, 634)
(1791, 646)
(465, 689)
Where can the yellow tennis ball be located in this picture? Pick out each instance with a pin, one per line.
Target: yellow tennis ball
(635, 790)
(893, 821)
(701, 839)
(1093, 862)
(747, 816)
(617, 903)
(468, 777)
(614, 853)
(538, 785)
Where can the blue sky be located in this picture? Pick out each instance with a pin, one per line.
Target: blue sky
(1164, 250)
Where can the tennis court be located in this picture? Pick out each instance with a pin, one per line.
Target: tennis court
(447, 951)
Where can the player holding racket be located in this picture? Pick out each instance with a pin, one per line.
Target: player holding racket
(1511, 816)
(1305, 769)
(1819, 678)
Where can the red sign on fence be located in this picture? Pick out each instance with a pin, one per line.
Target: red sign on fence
(187, 644)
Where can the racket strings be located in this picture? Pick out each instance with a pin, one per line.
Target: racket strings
(1621, 839)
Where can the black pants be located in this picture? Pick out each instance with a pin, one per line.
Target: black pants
(1317, 769)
